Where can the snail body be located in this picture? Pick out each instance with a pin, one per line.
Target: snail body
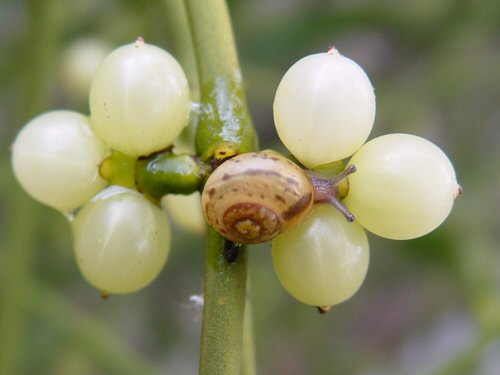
(253, 197)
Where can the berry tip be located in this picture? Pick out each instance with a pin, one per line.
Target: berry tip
(139, 42)
(105, 295)
(323, 309)
(332, 50)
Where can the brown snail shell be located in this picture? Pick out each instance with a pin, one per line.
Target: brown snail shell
(253, 197)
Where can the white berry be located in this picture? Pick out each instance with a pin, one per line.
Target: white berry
(324, 108)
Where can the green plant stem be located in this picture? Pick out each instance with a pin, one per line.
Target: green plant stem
(213, 40)
(44, 20)
(16, 283)
(223, 310)
(182, 43)
(224, 122)
(45, 25)
(224, 116)
(167, 173)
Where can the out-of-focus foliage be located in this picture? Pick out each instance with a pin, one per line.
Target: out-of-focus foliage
(428, 306)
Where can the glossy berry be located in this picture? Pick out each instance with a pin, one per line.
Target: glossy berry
(324, 108)
(404, 186)
(121, 240)
(324, 260)
(55, 158)
(139, 99)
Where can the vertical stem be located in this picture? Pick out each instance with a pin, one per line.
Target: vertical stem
(16, 283)
(223, 311)
(181, 41)
(45, 24)
(213, 40)
(224, 120)
(182, 46)
(224, 116)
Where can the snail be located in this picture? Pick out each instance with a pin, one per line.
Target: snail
(253, 197)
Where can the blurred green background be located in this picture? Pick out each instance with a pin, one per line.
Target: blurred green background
(427, 306)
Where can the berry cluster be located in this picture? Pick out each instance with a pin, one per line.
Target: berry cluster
(400, 186)
(139, 103)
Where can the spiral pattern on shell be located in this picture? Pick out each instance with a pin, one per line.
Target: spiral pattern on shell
(253, 197)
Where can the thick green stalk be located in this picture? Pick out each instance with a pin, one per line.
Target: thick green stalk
(224, 124)
(224, 117)
(213, 40)
(167, 173)
(223, 310)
